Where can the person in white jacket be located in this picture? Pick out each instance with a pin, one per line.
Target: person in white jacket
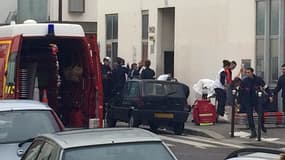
(220, 89)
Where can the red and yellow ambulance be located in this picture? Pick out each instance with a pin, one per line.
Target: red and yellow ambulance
(53, 63)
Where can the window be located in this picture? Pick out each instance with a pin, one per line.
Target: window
(260, 17)
(145, 26)
(14, 128)
(76, 6)
(112, 35)
(138, 151)
(267, 39)
(274, 17)
(133, 89)
(11, 70)
(260, 57)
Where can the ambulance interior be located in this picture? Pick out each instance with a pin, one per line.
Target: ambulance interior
(54, 70)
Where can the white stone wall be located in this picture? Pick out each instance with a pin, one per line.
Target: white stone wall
(5, 8)
(206, 32)
(90, 14)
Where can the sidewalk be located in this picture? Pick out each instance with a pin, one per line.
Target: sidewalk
(222, 130)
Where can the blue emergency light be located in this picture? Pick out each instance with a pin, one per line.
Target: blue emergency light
(51, 29)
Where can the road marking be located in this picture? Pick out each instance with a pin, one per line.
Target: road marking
(195, 144)
(242, 134)
(211, 141)
(270, 139)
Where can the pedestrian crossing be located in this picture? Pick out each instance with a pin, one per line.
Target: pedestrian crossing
(197, 142)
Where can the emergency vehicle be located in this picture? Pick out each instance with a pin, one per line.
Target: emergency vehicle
(54, 63)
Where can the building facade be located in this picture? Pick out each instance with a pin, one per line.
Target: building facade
(8, 11)
(83, 12)
(188, 38)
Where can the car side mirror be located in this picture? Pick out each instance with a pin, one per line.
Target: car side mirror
(20, 152)
(21, 148)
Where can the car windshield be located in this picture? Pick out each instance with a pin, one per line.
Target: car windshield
(163, 89)
(17, 126)
(127, 151)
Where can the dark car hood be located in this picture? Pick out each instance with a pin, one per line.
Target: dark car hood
(9, 151)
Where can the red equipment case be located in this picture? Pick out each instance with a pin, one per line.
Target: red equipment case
(204, 112)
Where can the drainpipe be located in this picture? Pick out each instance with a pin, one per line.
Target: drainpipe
(60, 11)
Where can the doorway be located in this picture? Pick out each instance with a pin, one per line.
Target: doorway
(165, 46)
(169, 62)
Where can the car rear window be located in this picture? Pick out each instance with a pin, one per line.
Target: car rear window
(17, 126)
(163, 89)
(125, 151)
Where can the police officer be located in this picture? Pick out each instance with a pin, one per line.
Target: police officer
(249, 99)
(281, 85)
(118, 77)
(106, 78)
(147, 73)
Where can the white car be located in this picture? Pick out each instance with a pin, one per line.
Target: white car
(256, 154)
(101, 144)
(21, 120)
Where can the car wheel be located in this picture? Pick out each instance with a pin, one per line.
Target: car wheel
(110, 121)
(178, 128)
(133, 122)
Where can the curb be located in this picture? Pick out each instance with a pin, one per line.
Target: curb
(203, 133)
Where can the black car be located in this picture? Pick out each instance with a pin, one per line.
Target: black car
(150, 102)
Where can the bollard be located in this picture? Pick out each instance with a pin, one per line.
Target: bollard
(259, 93)
(234, 92)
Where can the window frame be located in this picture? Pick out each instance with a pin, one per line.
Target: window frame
(144, 43)
(112, 41)
(267, 37)
(73, 10)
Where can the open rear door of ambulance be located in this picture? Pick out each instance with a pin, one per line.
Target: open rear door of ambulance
(5, 46)
(96, 81)
(9, 49)
(13, 67)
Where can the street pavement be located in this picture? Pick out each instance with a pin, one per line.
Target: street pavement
(274, 137)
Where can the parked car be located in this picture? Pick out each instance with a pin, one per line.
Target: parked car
(104, 144)
(150, 102)
(257, 154)
(21, 120)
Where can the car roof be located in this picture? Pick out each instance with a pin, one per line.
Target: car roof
(152, 80)
(87, 137)
(255, 153)
(41, 29)
(6, 105)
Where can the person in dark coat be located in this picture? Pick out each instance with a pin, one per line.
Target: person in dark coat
(106, 79)
(147, 73)
(134, 72)
(280, 85)
(249, 98)
(186, 89)
(118, 77)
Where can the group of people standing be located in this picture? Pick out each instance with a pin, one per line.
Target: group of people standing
(115, 75)
(247, 92)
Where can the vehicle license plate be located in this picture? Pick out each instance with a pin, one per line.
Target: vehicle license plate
(164, 115)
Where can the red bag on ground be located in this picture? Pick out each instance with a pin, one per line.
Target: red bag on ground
(204, 112)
